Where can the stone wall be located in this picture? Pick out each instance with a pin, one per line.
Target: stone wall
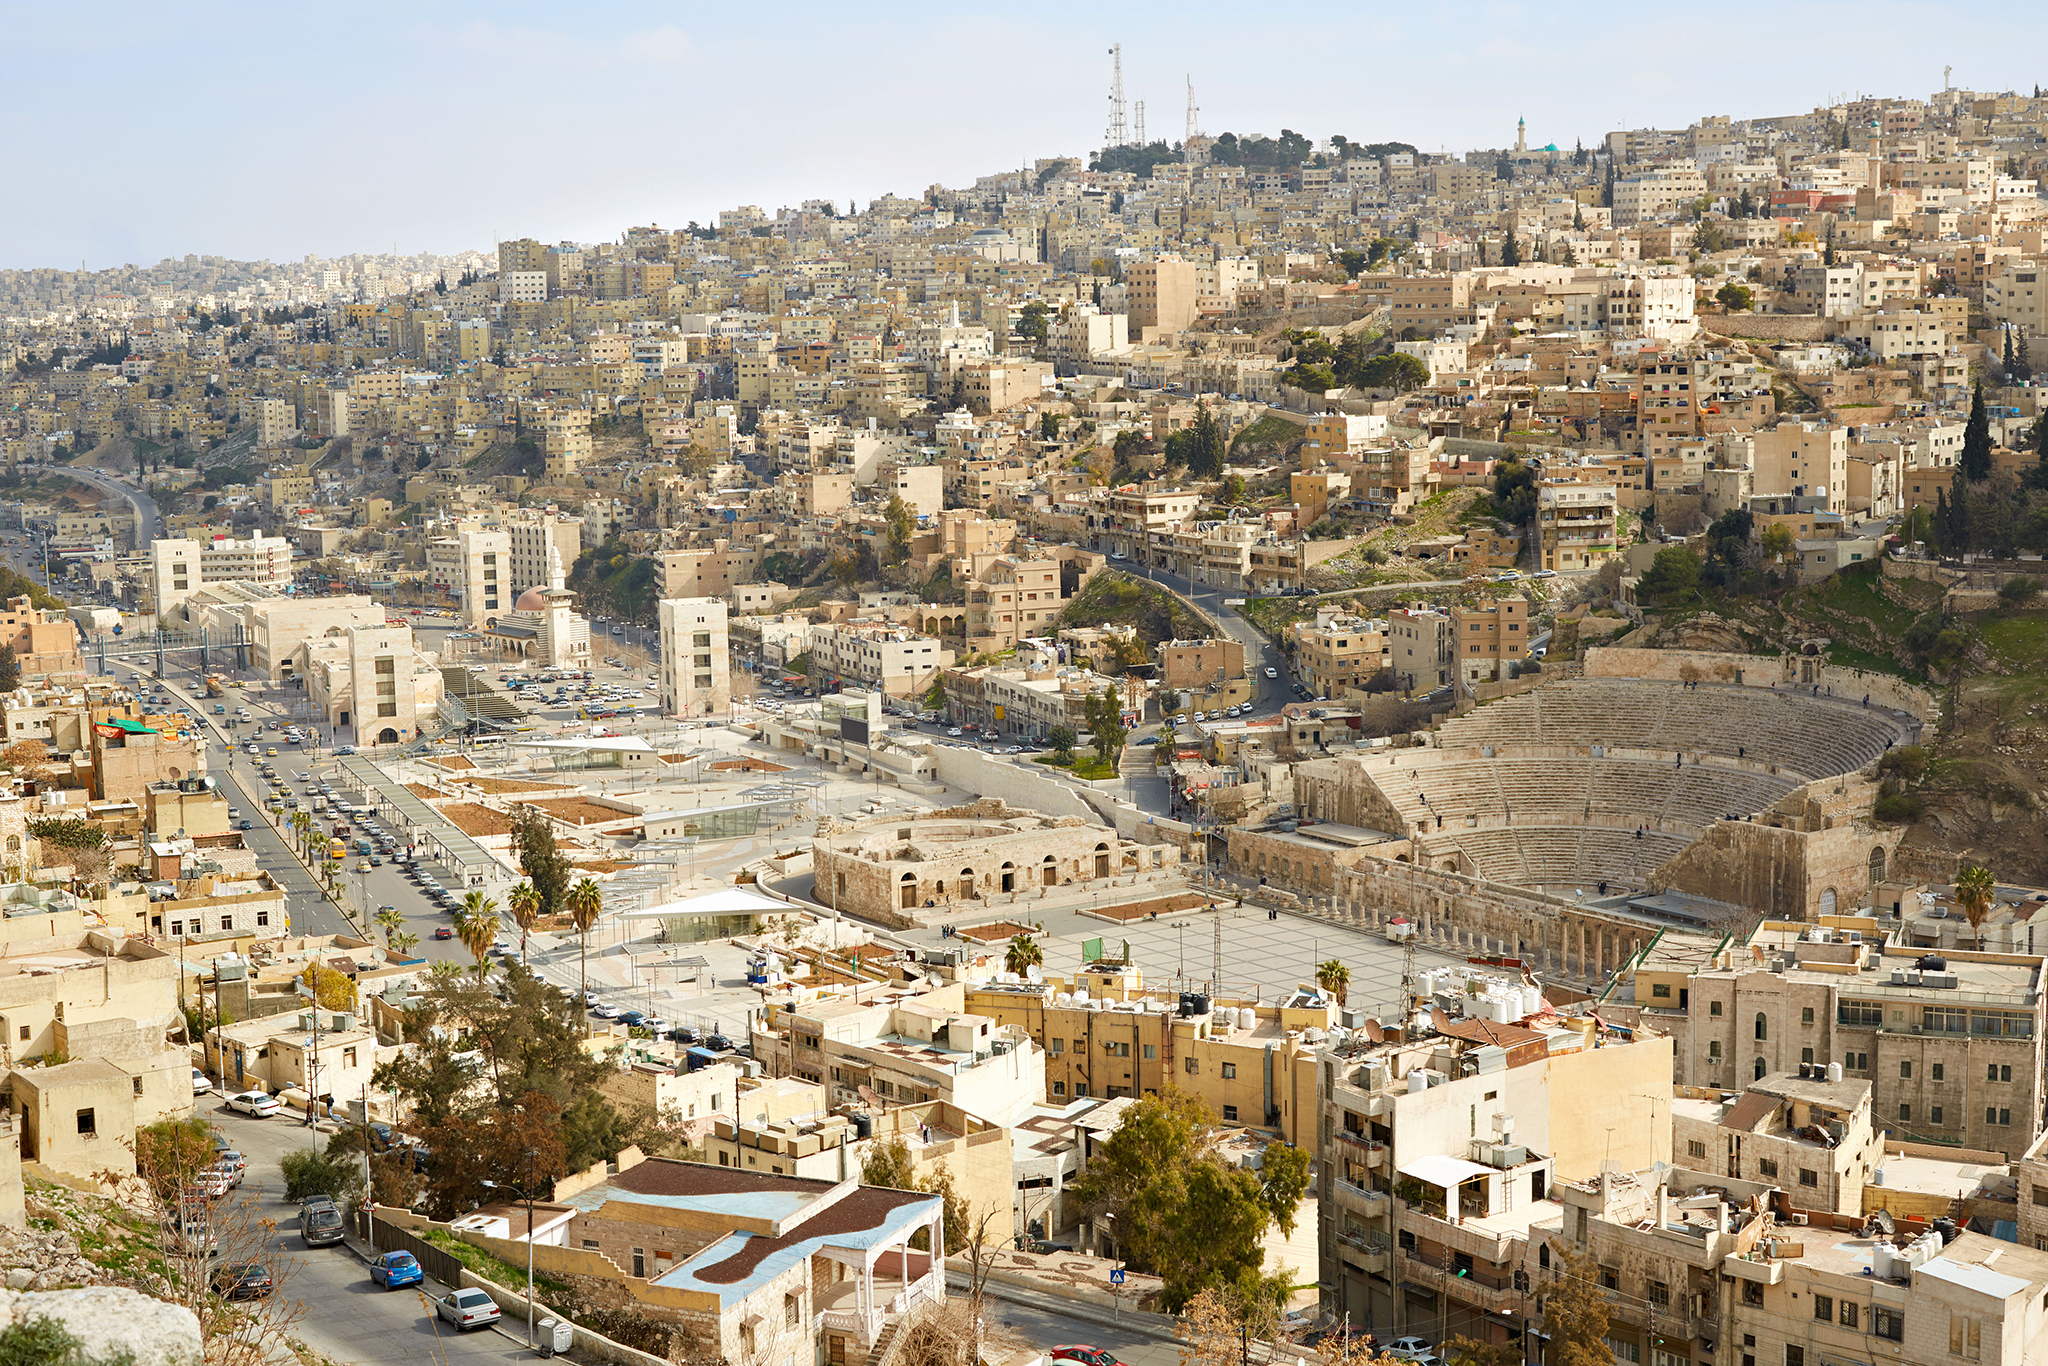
(1783, 871)
(1759, 671)
(1769, 326)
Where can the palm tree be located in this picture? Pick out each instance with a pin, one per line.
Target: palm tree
(585, 903)
(404, 942)
(1022, 955)
(1334, 978)
(476, 925)
(1976, 889)
(390, 921)
(524, 904)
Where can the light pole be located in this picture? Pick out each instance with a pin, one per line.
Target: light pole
(532, 1155)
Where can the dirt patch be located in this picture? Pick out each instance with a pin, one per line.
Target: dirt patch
(421, 790)
(602, 865)
(733, 765)
(578, 811)
(452, 762)
(991, 933)
(477, 821)
(1163, 905)
(498, 787)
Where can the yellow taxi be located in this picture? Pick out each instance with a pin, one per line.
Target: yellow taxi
(270, 753)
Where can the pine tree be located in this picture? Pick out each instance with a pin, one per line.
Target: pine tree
(1937, 528)
(2008, 353)
(1511, 252)
(1607, 188)
(1482, 251)
(2025, 366)
(1961, 531)
(1976, 461)
(1578, 218)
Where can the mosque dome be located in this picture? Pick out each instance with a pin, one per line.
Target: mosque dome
(534, 599)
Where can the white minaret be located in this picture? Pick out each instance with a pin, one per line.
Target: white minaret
(556, 578)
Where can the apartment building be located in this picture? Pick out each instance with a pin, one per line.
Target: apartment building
(1429, 302)
(1338, 651)
(541, 540)
(878, 656)
(908, 1051)
(1124, 522)
(1202, 665)
(373, 678)
(1808, 457)
(482, 570)
(1420, 648)
(1162, 294)
(696, 657)
(1657, 193)
(179, 568)
(1576, 524)
(1489, 635)
(1951, 1045)
(1012, 599)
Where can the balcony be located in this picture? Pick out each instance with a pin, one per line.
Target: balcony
(1370, 1151)
(1479, 1284)
(1365, 1203)
(1357, 1250)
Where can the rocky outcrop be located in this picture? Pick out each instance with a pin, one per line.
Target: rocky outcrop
(110, 1324)
(34, 1259)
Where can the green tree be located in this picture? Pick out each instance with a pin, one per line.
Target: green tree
(902, 526)
(1976, 892)
(1674, 574)
(1283, 1181)
(1396, 370)
(1104, 712)
(1575, 1314)
(1514, 491)
(545, 866)
(476, 925)
(784, 567)
(1022, 954)
(1511, 251)
(585, 903)
(10, 669)
(1031, 323)
(1335, 978)
(1061, 738)
(522, 903)
(1976, 459)
(1206, 449)
(1735, 297)
(308, 1173)
(1048, 426)
(1777, 541)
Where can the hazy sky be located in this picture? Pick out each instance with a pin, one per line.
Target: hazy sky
(134, 132)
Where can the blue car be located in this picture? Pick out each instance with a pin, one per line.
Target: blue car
(632, 1017)
(394, 1269)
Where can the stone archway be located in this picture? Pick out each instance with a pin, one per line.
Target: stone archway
(387, 736)
(967, 884)
(909, 892)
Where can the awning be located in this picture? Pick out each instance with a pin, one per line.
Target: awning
(1446, 1172)
(731, 901)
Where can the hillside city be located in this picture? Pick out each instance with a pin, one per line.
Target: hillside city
(1252, 747)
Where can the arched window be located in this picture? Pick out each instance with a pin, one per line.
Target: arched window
(1763, 1026)
(1759, 1069)
(1876, 870)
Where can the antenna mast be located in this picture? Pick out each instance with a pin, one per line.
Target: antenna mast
(1116, 136)
(1138, 123)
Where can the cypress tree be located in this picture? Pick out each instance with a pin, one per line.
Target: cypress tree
(1976, 461)
(1511, 252)
(1937, 526)
(1959, 527)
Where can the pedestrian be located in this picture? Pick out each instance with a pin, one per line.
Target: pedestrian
(1866, 701)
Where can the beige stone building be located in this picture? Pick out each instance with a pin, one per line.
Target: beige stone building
(696, 656)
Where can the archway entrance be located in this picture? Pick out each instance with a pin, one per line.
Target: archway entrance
(387, 736)
(1102, 860)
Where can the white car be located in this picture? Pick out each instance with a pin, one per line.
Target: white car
(255, 1104)
(1408, 1349)
(200, 1084)
(1272, 673)
(1544, 574)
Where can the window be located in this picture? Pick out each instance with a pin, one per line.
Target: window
(1767, 1166)
(1935, 1072)
(1856, 1062)
(1752, 1293)
(1055, 1047)
(1905, 1113)
(1905, 1071)
(1059, 1088)
(1806, 1055)
(1824, 1308)
(1610, 1279)
(1190, 1066)
(1994, 1115)
(1795, 1355)
(1714, 1049)
(1714, 1009)
(792, 1310)
(1624, 1351)
(1806, 1015)
(1850, 1310)
(1886, 1322)
(1117, 1050)
(2040, 1192)
(1934, 1114)
(1944, 1020)
(1997, 1072)
(88, 1127)
(639, 1261)
(1695, 1148)
(1661, 990)
(1151, 1052)
(1230, 1071)
(1660, 1294)
(1230, 1113)
(1866, 1014)
(1808, 1177)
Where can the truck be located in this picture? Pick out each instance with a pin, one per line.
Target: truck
(214, 687)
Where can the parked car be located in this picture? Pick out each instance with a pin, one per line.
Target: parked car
(255, 1104)
(243, 1281)
(201, 1084)
(1409, 1349)
(1087, 1356)
(466, 1309)
(320, 1222)
(393, 1270)
(1272, 673)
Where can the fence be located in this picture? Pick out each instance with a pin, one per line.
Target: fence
(443, 1265)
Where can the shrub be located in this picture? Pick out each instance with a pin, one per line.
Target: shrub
(308, 1173)
(2018, 591)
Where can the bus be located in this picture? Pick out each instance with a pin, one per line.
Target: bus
(336, 849)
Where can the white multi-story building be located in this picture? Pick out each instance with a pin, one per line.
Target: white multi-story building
(372, 678)
(696, 665)
(887, 658)
(533, 534)
(523, 287)
(484, 556)
(180, 567)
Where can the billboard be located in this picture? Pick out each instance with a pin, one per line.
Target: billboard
(853, 729)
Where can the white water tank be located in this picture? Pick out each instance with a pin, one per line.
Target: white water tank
(1063, 999)
(1834, 1071)
(1247, 1018)
(1080, 993)
(1338, 1036)
(1418, 1081)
